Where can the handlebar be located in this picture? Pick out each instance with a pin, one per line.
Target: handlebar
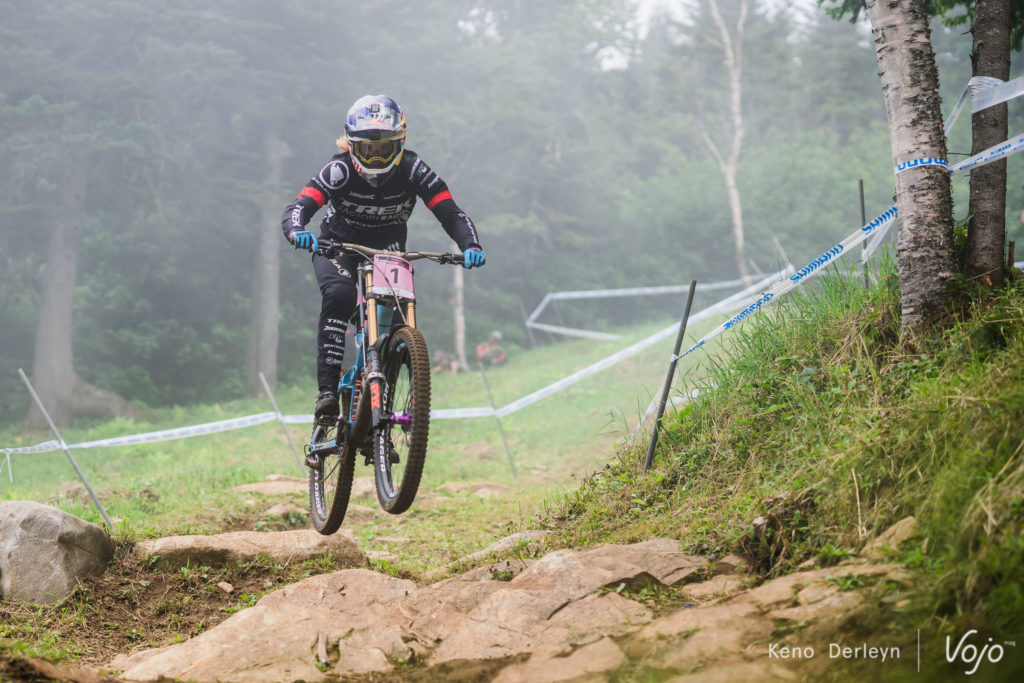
(329, 249)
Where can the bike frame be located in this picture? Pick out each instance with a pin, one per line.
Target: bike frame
(376, 320)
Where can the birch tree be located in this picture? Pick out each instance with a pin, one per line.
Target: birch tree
(910, 86)
(731, 45)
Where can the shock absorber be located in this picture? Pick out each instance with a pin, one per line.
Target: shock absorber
(375, 383)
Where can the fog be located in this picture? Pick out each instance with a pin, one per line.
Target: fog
(147, 149)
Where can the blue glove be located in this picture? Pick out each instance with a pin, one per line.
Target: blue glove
(304, 239)
(473, 257)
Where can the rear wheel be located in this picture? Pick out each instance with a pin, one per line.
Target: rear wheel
(330, 478)
(400, 442)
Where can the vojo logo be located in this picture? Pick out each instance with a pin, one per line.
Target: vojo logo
(971, 656)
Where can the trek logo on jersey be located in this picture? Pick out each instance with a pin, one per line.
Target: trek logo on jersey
(334, 175)
(400, 211)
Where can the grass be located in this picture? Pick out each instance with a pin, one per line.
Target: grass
(184, 486)
(825, 426)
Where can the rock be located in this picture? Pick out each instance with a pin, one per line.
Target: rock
(283, 477)
(391, 540)
(521, 544)
(550, 665)
(549, 600)
(363, 487)
(356, 514)
(715, 587)
(44, 552)
(729, 639)
(352, 611)
(367, 622)
(284, 510)
(481, 489)
(891, 539)
(731, 564)
(381, 556)
(246, 546)
(275, 485)
(225, 586)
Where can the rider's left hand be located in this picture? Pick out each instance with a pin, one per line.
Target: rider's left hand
(473, 257)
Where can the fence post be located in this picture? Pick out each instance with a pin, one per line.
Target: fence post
(668, 378)
(7, 461)
(501, 429)
(863, 244)
(280, 418)
(64, 447)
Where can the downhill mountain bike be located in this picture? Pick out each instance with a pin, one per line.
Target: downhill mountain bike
(384, 397)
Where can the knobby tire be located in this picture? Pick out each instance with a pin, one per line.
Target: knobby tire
(330, 484)
(406, 368)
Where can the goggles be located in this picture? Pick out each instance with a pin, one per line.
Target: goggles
(376, 155)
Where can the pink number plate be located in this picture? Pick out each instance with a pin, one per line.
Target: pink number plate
(392, 276)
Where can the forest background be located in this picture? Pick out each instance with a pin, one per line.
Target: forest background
(573, 133)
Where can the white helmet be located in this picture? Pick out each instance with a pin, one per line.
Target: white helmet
(375, 128)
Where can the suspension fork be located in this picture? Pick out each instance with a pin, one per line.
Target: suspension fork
(373, 377)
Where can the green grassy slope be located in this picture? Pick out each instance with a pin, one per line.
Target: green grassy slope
(830, 427)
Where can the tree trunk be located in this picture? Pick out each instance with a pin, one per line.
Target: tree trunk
(986, 231)
(458, 308)
(910, 85)
(732, 49)
(60, 389)
(263, 331)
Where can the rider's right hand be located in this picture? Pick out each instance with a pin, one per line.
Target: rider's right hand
(303, 239)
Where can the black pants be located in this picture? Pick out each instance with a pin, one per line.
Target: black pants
(337, 280)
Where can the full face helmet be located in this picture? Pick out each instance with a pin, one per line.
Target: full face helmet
(375, 129)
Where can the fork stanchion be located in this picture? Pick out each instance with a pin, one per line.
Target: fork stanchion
(668, 378)
(280, 418)
(64, 447)
(497, 419)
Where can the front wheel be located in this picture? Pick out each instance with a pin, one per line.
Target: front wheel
(400, 441)
(330, 477)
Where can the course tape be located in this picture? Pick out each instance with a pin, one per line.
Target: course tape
(984, 92)
(532, 323)
(442, 414)
(153, 437)
(917, 163)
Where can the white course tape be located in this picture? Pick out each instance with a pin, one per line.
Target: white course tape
(993, 91)
(575, 332)
(722, 306)
(984, 92)
(153, 437)
(531, 321)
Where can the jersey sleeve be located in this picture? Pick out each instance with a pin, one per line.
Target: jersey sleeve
(314, 195)
(435, 194)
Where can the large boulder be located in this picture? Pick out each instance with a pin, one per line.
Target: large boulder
(45, 552)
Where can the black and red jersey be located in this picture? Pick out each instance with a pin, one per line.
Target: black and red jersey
(376, 217)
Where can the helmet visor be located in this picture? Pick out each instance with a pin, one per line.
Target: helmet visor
(376, 155)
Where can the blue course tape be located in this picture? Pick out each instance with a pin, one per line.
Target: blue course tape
(916, 163)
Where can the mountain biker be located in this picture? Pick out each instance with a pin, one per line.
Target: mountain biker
(370, 188)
